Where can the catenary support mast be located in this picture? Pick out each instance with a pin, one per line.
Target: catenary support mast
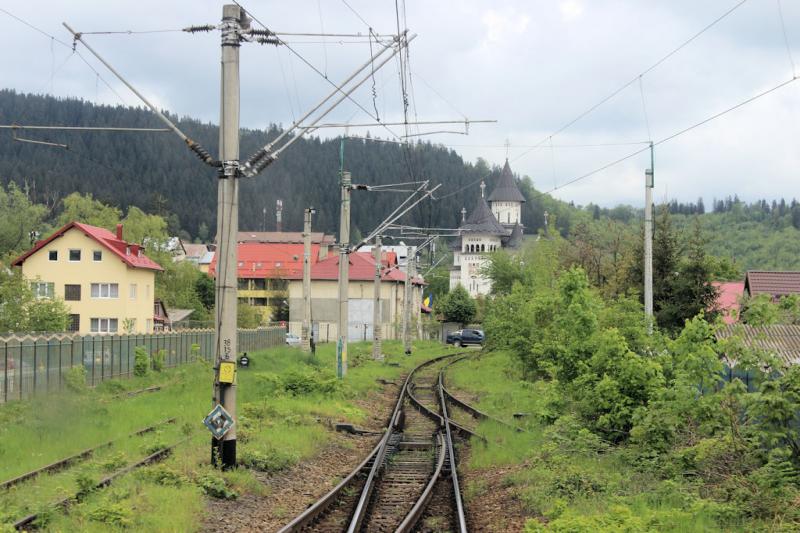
(648, 243)
(307, 331)
(224, 450)
(377, 321)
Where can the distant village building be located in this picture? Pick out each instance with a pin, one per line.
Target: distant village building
(492, 225)
(107, 283)
(325, 297)
(776, 284)
(729, 297)
(266, 260)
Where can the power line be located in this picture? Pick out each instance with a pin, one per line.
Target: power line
(674, 135)
(62, 43)
(635, 78)
(81, 128)
(315, 69)
(356, 13)
(786, 38)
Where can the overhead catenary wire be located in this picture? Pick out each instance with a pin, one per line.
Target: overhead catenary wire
(633, 80)
(62, 43)
(786, 38)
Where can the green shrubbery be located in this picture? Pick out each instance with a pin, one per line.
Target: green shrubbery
(75, 379)
(659, 405)
(141, 361)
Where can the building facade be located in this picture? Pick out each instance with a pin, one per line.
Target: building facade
(107, 283)
(492, 225)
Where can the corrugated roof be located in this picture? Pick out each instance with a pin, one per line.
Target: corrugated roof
(781, 340)
(283, 237)
(482, 220)
(195, 250)
(120, 248)
(506, 189)
(774, 283)
(362, 268)
(257, 260)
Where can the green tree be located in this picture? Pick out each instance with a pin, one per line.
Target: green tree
(457, 306)
(18, 218)
(247, 316)
(666, 254)
(141, 228)
(693, 292)
(84, 208)
(205, 289)
(21, 311)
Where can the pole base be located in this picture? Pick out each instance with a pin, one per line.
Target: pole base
(223, 453)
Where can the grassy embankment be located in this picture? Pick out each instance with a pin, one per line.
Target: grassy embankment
(568, 479)
(283, 398)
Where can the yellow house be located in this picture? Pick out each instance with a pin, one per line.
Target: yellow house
(107, 283)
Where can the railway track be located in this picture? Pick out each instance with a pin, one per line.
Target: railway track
(409, 482)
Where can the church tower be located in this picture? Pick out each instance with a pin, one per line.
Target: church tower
(506, 200)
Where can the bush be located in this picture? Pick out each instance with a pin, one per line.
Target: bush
(195, 351)
(75, 379)
(298, 382)
(158, 360)
(114, 514)
(214, 485)
(267, 460)
(141, 365)
(163, 475)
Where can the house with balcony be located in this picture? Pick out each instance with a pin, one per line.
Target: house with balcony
(107, 283)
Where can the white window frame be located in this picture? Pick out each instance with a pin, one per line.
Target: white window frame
(103, 325)
(47, 294)
(111, 291)
(132, 291)
(69, 255)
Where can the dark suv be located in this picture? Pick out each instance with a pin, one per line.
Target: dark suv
(463, 337)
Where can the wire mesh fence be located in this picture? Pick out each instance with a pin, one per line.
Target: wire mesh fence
(32, 365)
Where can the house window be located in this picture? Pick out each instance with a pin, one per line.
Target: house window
(43, 289)
(72, 293)
(105, 290)
(244, 284)
(74, 255)
(133, 291)
(97, 255)
(103, 325)
(52, 255)
(74, 323)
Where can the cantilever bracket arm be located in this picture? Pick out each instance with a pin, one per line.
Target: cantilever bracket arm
(193, 145)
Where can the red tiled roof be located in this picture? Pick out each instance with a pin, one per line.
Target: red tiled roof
(729, 293)
(269, 260)
(110, 241)
(774, 283)
(362, 268)
(283, 237)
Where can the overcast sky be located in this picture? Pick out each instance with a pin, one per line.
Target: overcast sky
(532, 65)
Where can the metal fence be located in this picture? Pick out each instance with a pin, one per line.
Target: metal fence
(36, 365)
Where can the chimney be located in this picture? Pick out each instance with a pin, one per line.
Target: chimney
(279, 215)
(119, 231)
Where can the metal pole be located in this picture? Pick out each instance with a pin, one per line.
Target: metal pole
(648, 244)
(411, 251)
(344, 273)
(377, 322)
(224, 451)
(306, 332)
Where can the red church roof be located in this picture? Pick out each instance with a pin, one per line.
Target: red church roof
(730, 292)
(112, 242)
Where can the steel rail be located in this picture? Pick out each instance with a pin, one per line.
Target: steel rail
(154, 457)
(63, 463)
(462, 520)
(415, 514)
(363, 503)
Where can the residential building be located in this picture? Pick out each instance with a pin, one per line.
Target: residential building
(265, 263)
(491, 226)
(107, 283)
(776, 284)
(782, 341)
(361, 287)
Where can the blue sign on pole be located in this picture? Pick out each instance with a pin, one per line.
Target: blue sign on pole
(218, 421)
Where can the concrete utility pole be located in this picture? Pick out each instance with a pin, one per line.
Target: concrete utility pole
(224, 451)
(377, 321)
(279, 216)
(344, 275)
(307, 330)
(648, 243)
(407, 304)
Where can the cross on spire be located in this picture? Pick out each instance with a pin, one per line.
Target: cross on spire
(507, 145)
(483, 188)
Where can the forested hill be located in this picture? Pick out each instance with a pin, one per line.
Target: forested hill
(156, 172)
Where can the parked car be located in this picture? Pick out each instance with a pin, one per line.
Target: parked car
(292, 340)
(464, 337)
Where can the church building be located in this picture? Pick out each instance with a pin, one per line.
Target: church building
(492, 225)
